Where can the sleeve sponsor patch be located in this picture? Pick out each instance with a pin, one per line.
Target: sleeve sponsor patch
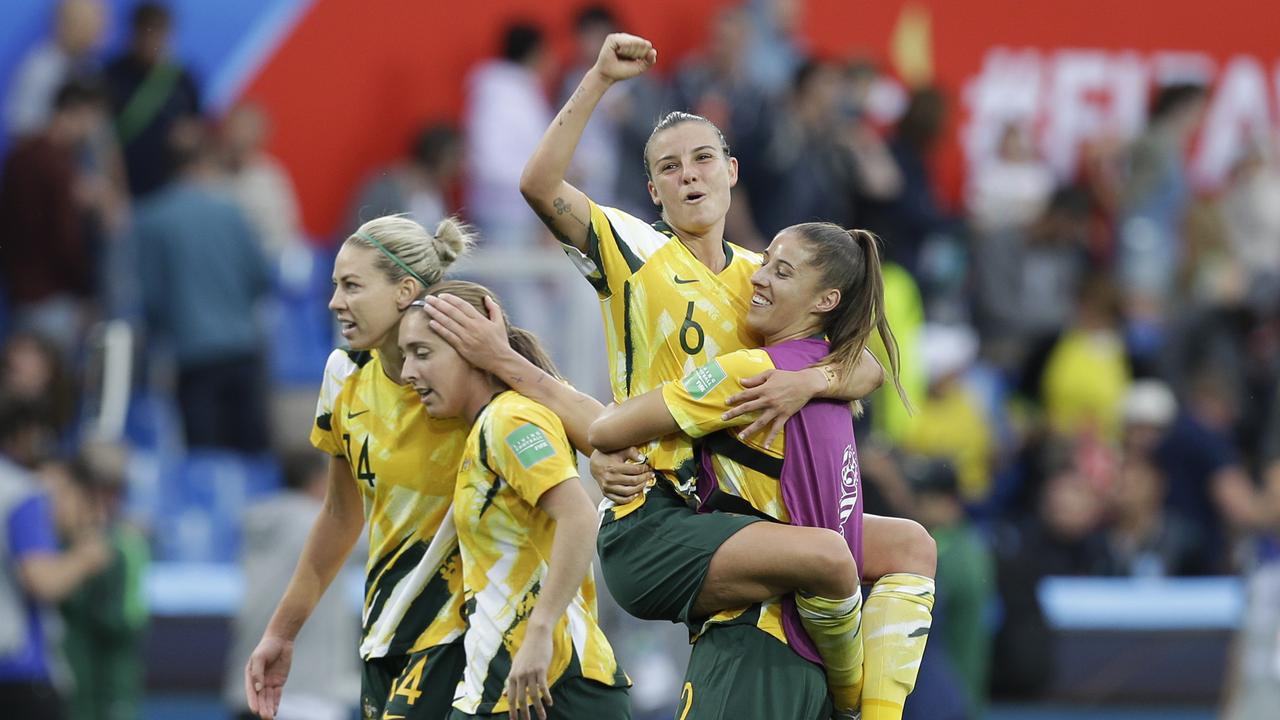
(530, 445)
(704, 379)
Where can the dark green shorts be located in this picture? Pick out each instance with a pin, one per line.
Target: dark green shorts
(655, 559)
(415, 687)
(576, 698)
(740, 672)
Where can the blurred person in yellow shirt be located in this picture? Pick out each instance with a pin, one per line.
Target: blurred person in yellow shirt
(1087, 374)
(950, 422)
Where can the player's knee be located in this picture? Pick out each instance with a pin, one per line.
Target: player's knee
(836, 573)
(916, 549)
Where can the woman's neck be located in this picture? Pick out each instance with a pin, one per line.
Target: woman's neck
(391, 357)
(706, 246)
(797, 331)
(484, 392)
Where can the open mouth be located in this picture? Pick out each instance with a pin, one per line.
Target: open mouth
(347, 327)
(758, 300)
(424, 393)
(694, 197)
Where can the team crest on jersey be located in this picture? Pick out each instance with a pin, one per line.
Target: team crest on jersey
(850, 481)
(704, 379)
(530, 445)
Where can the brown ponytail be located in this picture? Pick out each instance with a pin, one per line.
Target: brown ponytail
(849, 260)
(521, 340)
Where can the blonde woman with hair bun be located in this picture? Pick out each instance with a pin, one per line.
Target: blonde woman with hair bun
(393, 469)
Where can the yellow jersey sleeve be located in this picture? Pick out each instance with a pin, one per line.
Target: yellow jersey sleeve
(325, 433)
(528, 449)
(699, 399)
(618, 245)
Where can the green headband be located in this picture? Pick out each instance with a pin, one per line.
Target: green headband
(392, 256)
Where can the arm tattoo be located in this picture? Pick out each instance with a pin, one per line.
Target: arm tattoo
(562, 207)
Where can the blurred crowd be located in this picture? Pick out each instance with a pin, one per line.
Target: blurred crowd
(1091, 358)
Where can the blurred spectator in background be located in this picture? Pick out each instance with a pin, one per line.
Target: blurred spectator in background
(1252, 213)
(77, 29)
(260, 183)
(106, 617)
(904, 309)
(1208, 484)
(966, 579)
(33, 371)
(1143, 539)
(776, 48)
(1149, 409)
(879, 179)
(715, 83)
(150, 92)
(1012, 189)
(1155, 199)
(417, 184)
(1087, 372)
(46, 258)
(202, 273)
(805, 173)
(36, 574)
(506, 114)
(1027, 281)
(325, 675)
(950, 421)
(915, 215)
(1253, 686)
(1060, 539)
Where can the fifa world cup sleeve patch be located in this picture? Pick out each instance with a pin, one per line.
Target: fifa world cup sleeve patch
(530, 445)
(704, 379)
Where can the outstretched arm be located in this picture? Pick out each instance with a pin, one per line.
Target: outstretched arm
(633, 422)
(562, 207)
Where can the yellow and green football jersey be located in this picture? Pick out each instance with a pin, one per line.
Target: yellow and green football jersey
(745, 469)
(665, 313)
(405, 465)
(516, 451)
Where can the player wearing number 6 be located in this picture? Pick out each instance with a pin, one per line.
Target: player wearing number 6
(675, 295)
(525, 526)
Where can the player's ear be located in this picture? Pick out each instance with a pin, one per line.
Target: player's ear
(829, 300)
(733, 171)
(653, 194)
(406, 290)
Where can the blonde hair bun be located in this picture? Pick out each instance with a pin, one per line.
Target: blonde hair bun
(452, 240)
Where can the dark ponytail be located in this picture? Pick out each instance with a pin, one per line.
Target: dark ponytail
(849, 260)
(521, 340)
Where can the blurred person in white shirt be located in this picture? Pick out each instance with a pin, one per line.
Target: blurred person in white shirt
(261, 185)
(79, 27)
(507, 110)
(1012, 189)
(325, 675)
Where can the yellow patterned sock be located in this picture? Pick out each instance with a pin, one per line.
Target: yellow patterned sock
(898, 614)
(836, 628)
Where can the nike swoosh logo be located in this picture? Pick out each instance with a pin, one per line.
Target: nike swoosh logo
(355, 415)
(683, 282)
